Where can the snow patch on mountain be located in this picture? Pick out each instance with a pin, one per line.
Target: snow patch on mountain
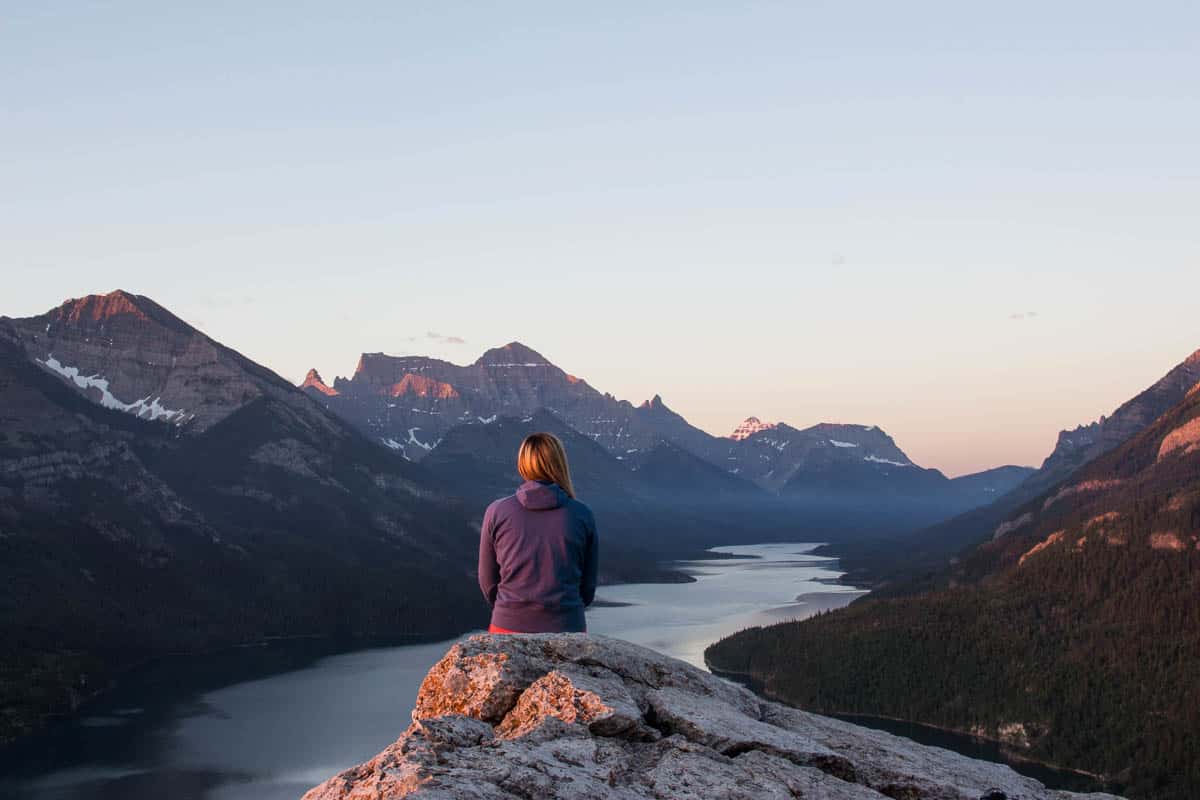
(533, 364)
(412, 439)
(878, 460)
(146, 408)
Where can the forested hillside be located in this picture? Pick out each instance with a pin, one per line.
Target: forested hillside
(1072, 635)
(917, 561)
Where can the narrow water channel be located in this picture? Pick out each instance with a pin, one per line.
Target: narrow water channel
(270, 722)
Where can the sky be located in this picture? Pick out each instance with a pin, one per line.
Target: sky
(970, 224)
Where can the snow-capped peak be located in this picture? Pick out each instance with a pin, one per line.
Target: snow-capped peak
(749, 427)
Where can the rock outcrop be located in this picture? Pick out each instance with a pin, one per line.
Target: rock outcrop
(1087, 442)
(573, 716)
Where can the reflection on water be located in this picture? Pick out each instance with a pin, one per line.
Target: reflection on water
(270, 722)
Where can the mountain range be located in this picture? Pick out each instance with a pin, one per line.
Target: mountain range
(160, 492)
(410, 403)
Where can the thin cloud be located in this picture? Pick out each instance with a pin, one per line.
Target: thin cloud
(445, 339)
(1023, 315)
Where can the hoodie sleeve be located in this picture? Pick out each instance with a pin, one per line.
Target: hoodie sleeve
(591, 562)
(489, 570)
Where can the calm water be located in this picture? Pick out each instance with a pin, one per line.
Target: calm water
(271, 722)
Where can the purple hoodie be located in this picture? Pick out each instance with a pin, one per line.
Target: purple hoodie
(538, 555)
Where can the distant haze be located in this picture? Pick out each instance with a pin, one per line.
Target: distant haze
(969, 225)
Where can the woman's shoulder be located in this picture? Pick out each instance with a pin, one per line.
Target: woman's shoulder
(581, 509)
(501, 505)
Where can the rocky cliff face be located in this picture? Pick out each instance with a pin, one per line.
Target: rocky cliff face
(129, 354)
(410, 402)
(1077, 447)
(573, 716)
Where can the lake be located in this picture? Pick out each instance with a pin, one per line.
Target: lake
(272, 721)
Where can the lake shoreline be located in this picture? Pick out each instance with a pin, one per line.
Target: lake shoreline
(755, 684)
(1010, 753)
(120, 673)
(213, 717)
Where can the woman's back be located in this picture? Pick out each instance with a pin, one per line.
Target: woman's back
(538, 560)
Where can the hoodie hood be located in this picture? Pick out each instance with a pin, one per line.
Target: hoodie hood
(538, 496)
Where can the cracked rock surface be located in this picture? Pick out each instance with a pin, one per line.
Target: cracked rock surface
(576, 716)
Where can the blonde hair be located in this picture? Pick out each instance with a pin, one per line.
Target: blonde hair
(542, 458)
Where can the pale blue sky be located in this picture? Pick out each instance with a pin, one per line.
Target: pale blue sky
(804, 211)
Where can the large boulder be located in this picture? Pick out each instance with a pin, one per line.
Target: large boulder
(577, 716)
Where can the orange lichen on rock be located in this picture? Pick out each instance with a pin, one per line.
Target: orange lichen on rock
(484, 685)
(574, 696)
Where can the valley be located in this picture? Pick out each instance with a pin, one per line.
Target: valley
(162, 494)
(267, 722)
(1070, 633)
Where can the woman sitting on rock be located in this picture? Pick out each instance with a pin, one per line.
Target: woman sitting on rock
(538, 548)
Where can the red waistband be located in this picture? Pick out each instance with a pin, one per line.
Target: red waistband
(498, 629)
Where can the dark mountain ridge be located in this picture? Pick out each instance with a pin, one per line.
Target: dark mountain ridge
(124, 534)
(1071, 634)
(909, 564)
